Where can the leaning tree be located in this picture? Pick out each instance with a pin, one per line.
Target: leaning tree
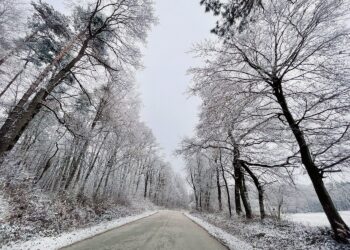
(296, 54)
(105, 37)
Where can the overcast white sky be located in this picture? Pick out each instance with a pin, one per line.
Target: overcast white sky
(167, 109)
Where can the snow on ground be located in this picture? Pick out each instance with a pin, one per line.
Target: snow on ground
(271, 233)
(65, 239)
(3, 208)
(315, 219)
(227, 239)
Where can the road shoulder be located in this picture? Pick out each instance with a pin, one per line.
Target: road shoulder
(66, 239)
(225, 238)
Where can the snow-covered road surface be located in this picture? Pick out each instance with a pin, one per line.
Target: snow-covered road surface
(164, 230)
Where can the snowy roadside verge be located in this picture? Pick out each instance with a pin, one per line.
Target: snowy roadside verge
(227, 239)
(315, 219)
(66, 239)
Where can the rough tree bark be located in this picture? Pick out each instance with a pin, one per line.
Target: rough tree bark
(218, 186)
(237, 174)
(146, 184)
(245, 198)
(194, 191)
(226, 185)
(259, 188)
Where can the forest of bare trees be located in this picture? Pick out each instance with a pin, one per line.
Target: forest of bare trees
(273, 130)
(69, 109)
(275, 92)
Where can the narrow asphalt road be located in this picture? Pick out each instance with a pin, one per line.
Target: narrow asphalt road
(165, 230)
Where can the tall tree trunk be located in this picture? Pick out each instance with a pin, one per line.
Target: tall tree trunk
(104, 191)
(97, 190)
(146, 183)
(194, 191)
(259, 188)
(207, 198)
(111, 162)
(77, 168)
(218, 186)
(279, 208)
(137, 184)
(340, 229)
(74, 166)
(106, 173)
(238, 205)
(237, 174)
(67, 163)
(245, 198)
(19, 118)
(47, 164)
(91, 166)
(150, 185)
(139, 175)
(226, 186)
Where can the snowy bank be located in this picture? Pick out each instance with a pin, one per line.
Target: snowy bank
(267, 234)
(316, 219)
(227, 239)
(65, 239)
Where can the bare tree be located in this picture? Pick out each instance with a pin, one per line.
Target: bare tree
(293, 57)
(113, 26)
